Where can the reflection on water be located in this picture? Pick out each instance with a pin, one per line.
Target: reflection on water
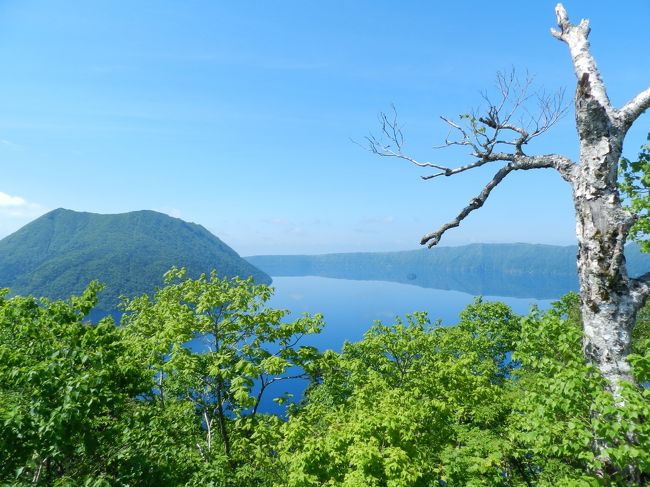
(517, 270)
(350, 307)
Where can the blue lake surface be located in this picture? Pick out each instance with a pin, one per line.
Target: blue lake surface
(350, 308)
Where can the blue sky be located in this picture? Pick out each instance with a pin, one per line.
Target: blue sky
(239, 115)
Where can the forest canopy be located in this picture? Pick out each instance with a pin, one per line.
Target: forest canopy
(497, 399)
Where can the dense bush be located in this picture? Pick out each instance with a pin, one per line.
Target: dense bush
(497, 399)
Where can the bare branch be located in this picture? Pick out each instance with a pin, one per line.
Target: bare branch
(390, 145)
(563, 165)
(575, 36)
(483, 134)
(376, 147)
(464, 140)
(500, 156)
(496, 125)
(634, 108)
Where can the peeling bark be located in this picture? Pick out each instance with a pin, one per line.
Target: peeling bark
(610, 299)
(609, 306)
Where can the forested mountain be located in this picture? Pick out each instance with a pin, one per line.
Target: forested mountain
(61, 252)
(519, 270)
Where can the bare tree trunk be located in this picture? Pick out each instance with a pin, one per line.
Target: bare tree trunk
(610, 298)
(602, 225)
(608, 308)
(208, 427)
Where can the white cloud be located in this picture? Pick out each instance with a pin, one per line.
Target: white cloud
(375, 224)
(15, 212)
(18, 207)
(6, 200)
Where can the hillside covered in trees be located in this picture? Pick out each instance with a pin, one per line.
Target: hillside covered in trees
(61, 252)
(519, 270)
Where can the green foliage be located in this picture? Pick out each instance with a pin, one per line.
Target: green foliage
(64, 388)
(564, 413)
(213, 348)
(409, 405)
(135, 404)
(172, 397)
(414, 404)
(641, 332)
(61, 252)
(634, 183)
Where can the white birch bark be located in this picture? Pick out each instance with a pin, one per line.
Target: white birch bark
(610, 299)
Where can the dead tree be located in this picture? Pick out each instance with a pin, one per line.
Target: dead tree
(610, 299)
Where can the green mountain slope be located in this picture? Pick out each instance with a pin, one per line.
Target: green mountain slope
(518, 270)
(62, 251)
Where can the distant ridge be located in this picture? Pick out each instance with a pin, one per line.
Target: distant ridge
(517, 270)
(63, 250)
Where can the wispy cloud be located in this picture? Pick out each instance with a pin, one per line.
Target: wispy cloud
(378, 220)
(287, 226)
(16, 211)
(249, 60)
(375, 224)
(18, 207)
(8, 144)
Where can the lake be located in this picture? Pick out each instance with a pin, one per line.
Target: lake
(350, 308)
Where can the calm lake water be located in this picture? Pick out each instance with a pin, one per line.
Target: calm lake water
(350, 307)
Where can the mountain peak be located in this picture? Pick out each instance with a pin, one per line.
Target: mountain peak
(60, 252)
